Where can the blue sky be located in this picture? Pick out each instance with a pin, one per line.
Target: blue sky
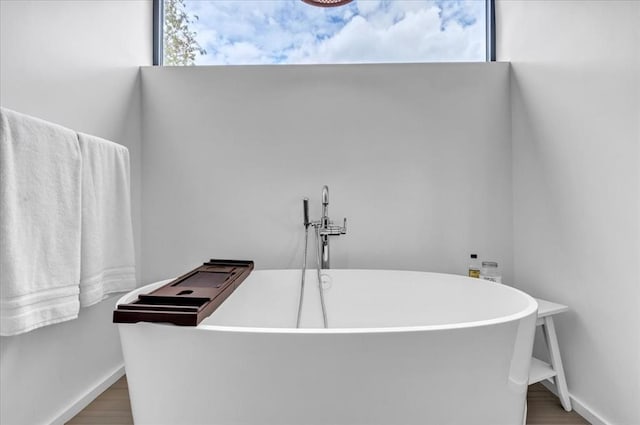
(364, 31)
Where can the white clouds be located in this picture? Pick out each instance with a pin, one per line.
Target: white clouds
(368, 6)
(242, 52)
(248, 32)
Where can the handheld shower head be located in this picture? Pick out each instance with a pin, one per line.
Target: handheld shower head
(305, 211)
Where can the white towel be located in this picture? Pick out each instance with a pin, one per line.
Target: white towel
(40, 207)
(107, 259)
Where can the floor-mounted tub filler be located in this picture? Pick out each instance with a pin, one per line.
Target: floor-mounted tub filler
(401, 348)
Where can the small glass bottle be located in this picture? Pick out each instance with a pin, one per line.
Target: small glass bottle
(489, 271)
(474, 266)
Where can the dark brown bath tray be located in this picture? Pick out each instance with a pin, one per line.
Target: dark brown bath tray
(187, 300)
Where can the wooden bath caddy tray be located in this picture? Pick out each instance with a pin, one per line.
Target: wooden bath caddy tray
(187, 300)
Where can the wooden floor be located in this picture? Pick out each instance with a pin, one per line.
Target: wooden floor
(113, 408)
(544, 408)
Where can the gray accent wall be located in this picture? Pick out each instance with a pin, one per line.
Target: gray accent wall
(416, 156)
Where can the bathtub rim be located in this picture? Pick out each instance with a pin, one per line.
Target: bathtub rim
(532, 307)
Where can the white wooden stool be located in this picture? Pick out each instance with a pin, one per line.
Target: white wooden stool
(540, 370)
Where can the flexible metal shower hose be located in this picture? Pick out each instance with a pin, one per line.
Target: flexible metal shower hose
(304, 272)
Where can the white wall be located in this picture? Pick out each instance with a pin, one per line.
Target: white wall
(74, 63)
(416, 156)
(575, 107)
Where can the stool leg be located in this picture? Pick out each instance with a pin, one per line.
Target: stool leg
(556, 362)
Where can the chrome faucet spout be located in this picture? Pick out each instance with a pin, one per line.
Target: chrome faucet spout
(324, 228)
(325, 206)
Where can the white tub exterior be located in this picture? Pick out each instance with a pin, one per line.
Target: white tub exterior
(402, 348)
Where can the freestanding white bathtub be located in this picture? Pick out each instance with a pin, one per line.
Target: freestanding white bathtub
(401, 348)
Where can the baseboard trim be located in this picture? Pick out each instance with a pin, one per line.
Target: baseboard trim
(580, 407)
(82, 402)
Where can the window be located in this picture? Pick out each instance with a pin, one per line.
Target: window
(214, 32)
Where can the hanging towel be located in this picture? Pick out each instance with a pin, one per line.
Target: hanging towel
(40, 223)
(107, 254)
